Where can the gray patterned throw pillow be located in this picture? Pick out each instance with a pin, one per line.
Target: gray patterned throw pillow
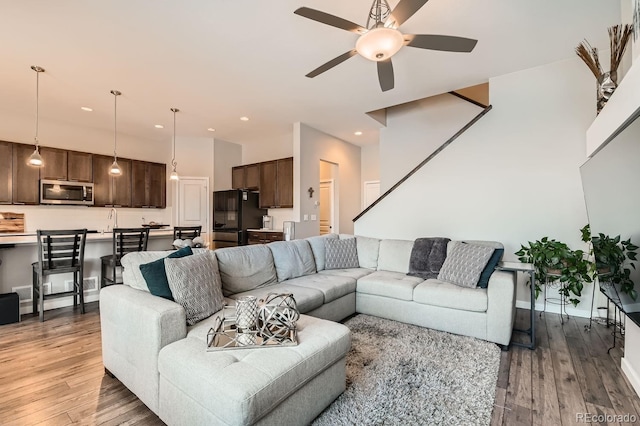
(195, 284)
(464, 264)
(341, 254)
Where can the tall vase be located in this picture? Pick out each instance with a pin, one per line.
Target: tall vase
(607, 84)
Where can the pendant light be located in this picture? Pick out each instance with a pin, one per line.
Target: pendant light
(35, 159)
(174, 173)
(115, 169)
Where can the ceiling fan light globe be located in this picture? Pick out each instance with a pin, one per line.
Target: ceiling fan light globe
(379, 44)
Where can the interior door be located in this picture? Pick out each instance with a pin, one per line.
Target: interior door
(193, 203)
(326, 207)
(371, 193)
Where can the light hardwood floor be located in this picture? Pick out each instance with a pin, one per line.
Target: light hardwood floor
(51, 373)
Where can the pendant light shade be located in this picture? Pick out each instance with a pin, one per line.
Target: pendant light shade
(35, 159)
(174, 172)
(115, 169)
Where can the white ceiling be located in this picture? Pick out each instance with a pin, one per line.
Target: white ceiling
(218, 60)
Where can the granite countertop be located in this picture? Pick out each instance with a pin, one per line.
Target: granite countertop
(29, 238)
(265, 230)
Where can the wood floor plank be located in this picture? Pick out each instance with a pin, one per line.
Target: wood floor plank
(546, 409)
(497, 416)
(587, 373)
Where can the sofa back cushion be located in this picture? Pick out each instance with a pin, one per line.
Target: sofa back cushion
(245, 268)
(318, 248)
(368, 250)
(131, 262)
(394, 255)
(292, 259)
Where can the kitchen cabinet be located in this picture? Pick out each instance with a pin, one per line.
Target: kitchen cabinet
(55, 164)
(79, 166)
(110, 190)
(25, 178)
(258, 237)
(6, 158)
(276, 184)
(148, 184)
(246, 177)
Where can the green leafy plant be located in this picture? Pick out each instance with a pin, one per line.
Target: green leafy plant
(556, 261)
(613, 258)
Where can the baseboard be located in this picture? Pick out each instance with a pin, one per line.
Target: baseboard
(62, 302)
(555, 309)
(631, 374)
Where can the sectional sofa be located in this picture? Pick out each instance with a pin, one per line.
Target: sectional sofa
(144, 336)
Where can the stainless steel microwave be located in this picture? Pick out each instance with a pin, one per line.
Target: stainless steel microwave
(63, 192)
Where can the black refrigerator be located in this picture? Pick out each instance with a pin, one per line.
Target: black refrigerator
(234, 212)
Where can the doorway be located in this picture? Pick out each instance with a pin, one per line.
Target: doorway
(328, 198)
(193, 203)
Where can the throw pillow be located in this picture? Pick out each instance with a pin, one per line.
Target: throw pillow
(195, 284)
(341, 254)
(464, 264)
(491, 266)
(156, 277)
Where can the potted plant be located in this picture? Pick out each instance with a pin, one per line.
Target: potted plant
(556, 261)
(612, 259)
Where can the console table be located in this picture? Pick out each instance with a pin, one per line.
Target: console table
(526, 268)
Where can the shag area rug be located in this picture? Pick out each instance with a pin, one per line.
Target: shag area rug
(400, 374)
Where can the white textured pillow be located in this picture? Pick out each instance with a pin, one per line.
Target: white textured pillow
(195, 284)
(131, 262)
(464, 264)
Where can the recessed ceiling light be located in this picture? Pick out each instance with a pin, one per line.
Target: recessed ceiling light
(86, 109)
(358, 133)
(211, 129)
(244, 118)
(159, 126)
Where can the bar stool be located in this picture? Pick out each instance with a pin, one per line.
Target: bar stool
(125, 240)
(186, 232)
(59, 252)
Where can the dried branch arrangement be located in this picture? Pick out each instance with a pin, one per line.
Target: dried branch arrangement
(618, 38)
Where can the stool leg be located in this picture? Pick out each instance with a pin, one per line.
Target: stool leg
(81, 289)
(103, 273)
(34, 291)
(41, 296)
(115, 268)
(75, 289)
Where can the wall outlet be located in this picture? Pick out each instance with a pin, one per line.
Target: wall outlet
(314, 217)
(305, 217)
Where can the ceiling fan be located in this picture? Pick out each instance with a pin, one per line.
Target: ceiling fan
(381, 39)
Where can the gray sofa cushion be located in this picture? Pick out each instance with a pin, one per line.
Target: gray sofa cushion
(394, 255)
(292, 259)
(396, 285)
(341, 253)
(245, 268)
(307, 298)
(368, 250)
(447, 295)
(131, 262)
(355, 273)
(318, 249)
(464, 264)
(195, 284)
(332, 286)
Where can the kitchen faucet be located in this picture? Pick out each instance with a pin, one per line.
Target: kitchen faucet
(113, 214)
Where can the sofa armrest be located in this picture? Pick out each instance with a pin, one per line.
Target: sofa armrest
(501, 309)
(135, 326)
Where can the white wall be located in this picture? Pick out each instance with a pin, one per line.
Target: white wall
(226, 155)
(311, 146)
(370, 162)
(269, 148)
(416, 129)
(512, 177)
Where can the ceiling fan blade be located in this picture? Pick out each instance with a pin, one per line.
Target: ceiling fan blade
(329, 19)
(332, 63)
(405, 10)
(441, 42)
(385, 75)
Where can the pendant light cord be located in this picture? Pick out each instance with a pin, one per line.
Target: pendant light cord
(173, 159)
(37, 106)
(115, 125)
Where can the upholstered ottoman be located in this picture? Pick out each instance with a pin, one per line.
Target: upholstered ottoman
(275, 385)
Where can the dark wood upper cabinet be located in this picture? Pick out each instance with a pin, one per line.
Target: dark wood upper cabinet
(101, 180)
(121, 185)
(79, 166)
(237, 177)
(285, 183)
(6, 158)
(25, 177)
(148, 184)
(268, 184)
(54, 164)
(252, 176)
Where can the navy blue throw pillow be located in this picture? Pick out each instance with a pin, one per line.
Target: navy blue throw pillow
(156, 277)
(483, 282)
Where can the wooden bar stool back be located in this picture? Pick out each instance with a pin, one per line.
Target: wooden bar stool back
(59, 252)
(186, 232)
(125, 240)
